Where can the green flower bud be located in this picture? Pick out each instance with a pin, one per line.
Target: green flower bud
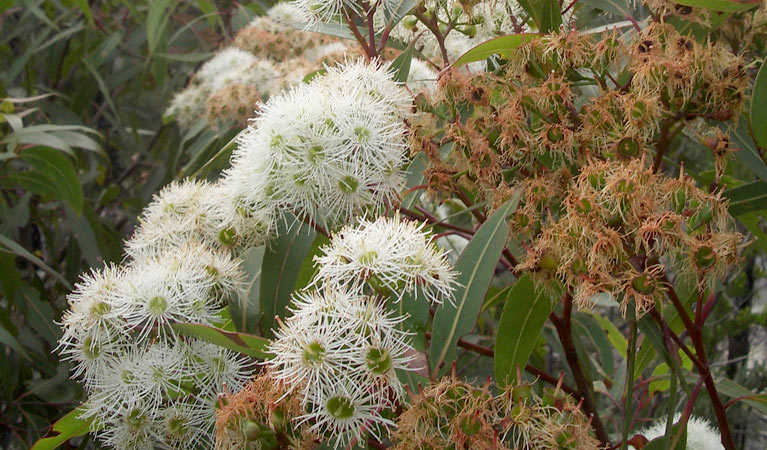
(705, 257)
(470, 425)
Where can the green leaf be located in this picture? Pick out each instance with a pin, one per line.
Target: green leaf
(86, 9)
(620, 8)
(69, 426)
(246, 312)
(721, 5)
(6, 338)
(155, 23)
(759, 108)
(747, 198)
(12, 247)
(523, 317)
(734, 390)
(614, 335)
(551, 16)
(598, 336)
(56, 169)
(247, 344)
(401, 65)
(279, 272)
(39, 314)
(503, 45)
(415, 177)
(475, 266)
(749, 155)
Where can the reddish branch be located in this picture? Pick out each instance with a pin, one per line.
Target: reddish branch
(563, 326)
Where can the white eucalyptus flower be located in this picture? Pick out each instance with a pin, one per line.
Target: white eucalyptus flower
(345, 411)
(700, 434)
(180, 212)
(393, 253)
(328, 150)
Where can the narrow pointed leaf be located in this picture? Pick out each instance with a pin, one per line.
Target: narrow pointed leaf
(523, 317)
(247, 344)
(69, 426)
(503, 46)
(280, 269)
(476, 266)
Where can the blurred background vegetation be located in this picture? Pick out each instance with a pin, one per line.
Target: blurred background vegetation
(83, 146)
(82, 149)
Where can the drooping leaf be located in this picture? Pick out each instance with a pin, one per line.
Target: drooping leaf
(246, 312)
(11, 246)
(503, 46)
(523, 317)
(551, 16)
(53, 167)
(155, 22)
(279, 271)
(748, 197)
(721, 5)
(247, 344)
(415, 177)
(69, 426)
(749, 155)
(475, 266)
(401, 65)
(614, 335)
(759, 107)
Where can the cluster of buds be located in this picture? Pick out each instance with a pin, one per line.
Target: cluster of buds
(452, 412)
(532, 116)
(623, 224)
(261, 416)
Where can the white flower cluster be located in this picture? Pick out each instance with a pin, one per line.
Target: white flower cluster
(700, 434)
(342, 351)
(267, 57)
(147, 386)
(326, 150)
(192, 210)
(393, 253)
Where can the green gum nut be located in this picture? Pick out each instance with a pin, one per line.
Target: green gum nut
(227, 237)
(582, 206)
(378, 361)
(157, 305)
(566, 441)
(579, 267)
(679, 199)
(99, 309)
(548, 262)
(251, 430)
(456, 11)
(340, 407)
(554, 135)
(628, 148)
(644, 284)
(469, 30)
(348, 184)
(702, 217)
(470, 425)
(705, 257)
(409, 22)
(638, 110)
(314, 353)
(597, 181)
(522, 393)
(278, 419)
